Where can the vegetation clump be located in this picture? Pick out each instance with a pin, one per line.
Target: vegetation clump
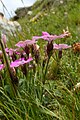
(39, 73)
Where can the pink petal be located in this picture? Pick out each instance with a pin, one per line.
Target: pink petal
(30, 59)
(24, 43)
(2, 66)
(55, 46)
(45, 33)
(64, 46)
(15, 63)
(20, 44)
(61, 46)
(37, 37)
(7, 50)
(19, 62)
(30, 42)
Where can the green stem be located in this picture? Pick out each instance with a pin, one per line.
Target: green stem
(8, 66)
(44, 78)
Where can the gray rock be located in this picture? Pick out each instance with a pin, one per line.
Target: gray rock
(9, 27)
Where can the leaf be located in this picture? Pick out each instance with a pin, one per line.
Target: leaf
(49, 112)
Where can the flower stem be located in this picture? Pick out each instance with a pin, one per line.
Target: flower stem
(44, 78)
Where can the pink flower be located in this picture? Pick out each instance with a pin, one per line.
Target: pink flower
(61, 46)
(24, 43)
(19, 62)
(46, 36)
(11, 51)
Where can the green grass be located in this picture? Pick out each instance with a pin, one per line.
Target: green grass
(65, 15)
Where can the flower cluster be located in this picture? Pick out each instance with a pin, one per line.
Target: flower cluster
(27, 51)
(30, 49)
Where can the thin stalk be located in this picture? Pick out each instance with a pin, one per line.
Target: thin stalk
(44, 78)
(8, 66)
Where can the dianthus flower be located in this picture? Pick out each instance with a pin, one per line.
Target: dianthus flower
(46, 36)
(19, 62)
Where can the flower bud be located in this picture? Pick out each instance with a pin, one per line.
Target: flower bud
(60, 54)
(49, 48)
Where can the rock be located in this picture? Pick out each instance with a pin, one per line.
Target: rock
(9, 27)
(22, 12)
